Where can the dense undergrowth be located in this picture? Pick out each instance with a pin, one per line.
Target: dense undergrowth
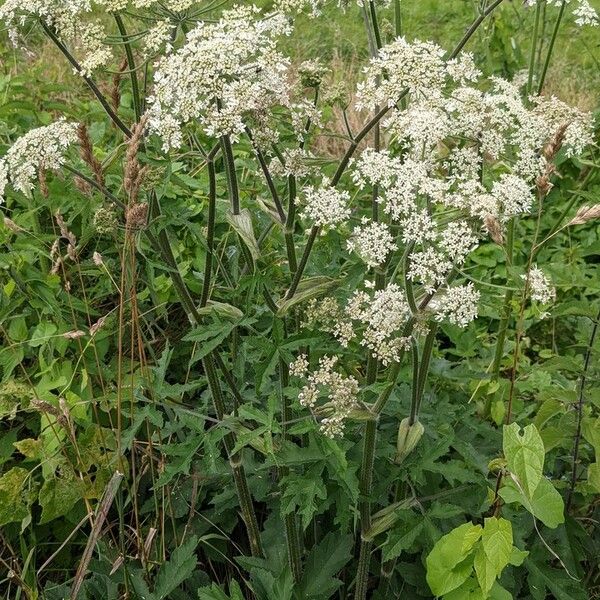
(244, 362)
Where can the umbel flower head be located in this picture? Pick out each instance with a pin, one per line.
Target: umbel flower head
(341, 392)
(225, 71)
(39, 150)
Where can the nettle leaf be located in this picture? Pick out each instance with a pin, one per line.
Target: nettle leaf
(15, 495)
(301, 493)
(399, 539)
(177, 569)
(525, 455)
(546, 505)
(322, 565)
(450, 563)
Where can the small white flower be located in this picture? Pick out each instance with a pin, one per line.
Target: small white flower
(539, 285)
(372, 241)
(325, 206)
(457, 305)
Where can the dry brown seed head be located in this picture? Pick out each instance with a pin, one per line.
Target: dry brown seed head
(586, 213)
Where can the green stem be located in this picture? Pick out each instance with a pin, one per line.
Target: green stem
(506, 305)
(232, 185)
(534, 43)
(424, 364)
(290, 224)
(291, 526)
(375, 24)
(414, 403)
(239, 476)
(397, 18)
(135, 90)
(551, 48)
(580, 403)
(90, 83)
(265, 169)
(210, 236)
(307, 249)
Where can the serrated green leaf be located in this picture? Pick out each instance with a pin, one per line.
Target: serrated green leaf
(323, 563)
(177, 569)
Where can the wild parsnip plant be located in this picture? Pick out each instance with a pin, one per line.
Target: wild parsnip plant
(238, 364)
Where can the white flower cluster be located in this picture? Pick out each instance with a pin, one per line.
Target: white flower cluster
(383, 315)
(372, 241)
(456, 304)
(342, 392)
(539, 285)
(297, 6)
(225, 71)
(37, 151)
(325, 206)
(584, 12)
(72, 22)
(415, 67)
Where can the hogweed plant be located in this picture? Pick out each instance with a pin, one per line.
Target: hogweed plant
(238, 367)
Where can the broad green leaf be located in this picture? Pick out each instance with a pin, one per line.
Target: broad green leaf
(590, 428)
(15, 495)
(594, 476)
(323, 563)
(308, 288)
(546, 505)
(29, 447)
(302, 493)
(497, 540)
(58, 496)
(524, 454)
(484, 569)
(177, 569)
(449, 564)
(518, 556)
(403, 541)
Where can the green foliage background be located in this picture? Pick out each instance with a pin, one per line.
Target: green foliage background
(173, 530)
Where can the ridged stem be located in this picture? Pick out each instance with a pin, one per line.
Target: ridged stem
(232, 184)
